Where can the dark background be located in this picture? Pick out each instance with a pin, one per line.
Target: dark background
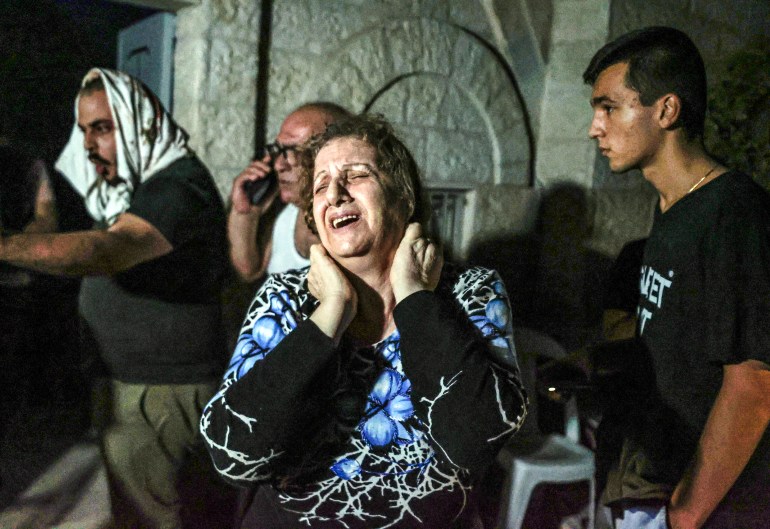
(47, 46)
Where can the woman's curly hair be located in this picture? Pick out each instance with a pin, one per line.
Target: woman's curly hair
(402, 185)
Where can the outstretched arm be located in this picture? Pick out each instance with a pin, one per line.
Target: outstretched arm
(45, 216)
(128, 242)
(737, 421)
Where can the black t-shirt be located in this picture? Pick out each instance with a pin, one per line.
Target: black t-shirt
(705, 303)
(160, 321)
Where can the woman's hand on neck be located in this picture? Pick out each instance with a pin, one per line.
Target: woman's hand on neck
(416, 265)
(372, 289)
(359, 304)
(338, 299)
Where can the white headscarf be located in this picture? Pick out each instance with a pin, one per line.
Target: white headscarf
(146, 138)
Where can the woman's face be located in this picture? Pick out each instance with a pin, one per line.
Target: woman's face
(350, 205)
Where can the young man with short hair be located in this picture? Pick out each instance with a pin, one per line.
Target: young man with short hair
(696, 450)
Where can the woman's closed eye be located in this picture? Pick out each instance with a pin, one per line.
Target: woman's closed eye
(345, 178)
(320, 185)
(355, 175)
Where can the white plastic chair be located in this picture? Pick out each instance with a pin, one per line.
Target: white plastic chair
(531, 458)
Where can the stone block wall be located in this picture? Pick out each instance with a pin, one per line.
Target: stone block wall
(614, 215)
(419, 64)
(440, 70)
(426, 65)
(619, 215)
(215, 67)
(553, 248)
(718, 28)
(564, 151)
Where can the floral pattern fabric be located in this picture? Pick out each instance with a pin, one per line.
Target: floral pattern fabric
(349, 442)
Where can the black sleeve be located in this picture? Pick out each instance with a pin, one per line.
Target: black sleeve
(251, 422)
(179, 201)
(470, 402)
(274, 391)
(737, 303)
(73, 215)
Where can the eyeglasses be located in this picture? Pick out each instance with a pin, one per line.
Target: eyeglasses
(276, 149)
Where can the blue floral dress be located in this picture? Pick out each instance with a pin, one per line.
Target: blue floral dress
(369, 436)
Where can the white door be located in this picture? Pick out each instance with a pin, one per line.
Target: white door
(146, 51)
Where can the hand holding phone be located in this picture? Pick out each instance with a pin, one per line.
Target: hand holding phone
(257, 190)
(255, 187)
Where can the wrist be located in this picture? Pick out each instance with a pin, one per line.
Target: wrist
(401, 292)
(341, 302)
(246, 209)
(678, 518)
(333, 315)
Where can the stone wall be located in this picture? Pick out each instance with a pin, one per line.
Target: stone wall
(522, 31)
(444, 72)
(466, 83)
(428, 66)
(215, 69)
(565, 153)
(718, 28)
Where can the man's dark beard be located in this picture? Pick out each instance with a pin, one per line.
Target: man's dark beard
(96, 159)
(102, 174)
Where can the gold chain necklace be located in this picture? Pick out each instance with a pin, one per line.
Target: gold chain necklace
(699, 182)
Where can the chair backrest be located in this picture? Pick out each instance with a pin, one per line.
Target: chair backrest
(531, 344)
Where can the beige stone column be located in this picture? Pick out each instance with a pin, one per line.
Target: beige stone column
(215, 67)
(564, 152)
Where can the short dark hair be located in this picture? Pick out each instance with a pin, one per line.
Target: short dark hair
(403, 187)
(660, 60)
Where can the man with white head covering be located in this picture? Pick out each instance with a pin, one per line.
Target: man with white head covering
(153, 263)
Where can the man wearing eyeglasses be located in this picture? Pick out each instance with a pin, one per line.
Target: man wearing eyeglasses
(271, 236)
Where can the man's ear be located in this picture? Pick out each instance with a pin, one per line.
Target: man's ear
(669, 109)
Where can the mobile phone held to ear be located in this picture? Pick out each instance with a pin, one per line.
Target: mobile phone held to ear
(257, 190)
